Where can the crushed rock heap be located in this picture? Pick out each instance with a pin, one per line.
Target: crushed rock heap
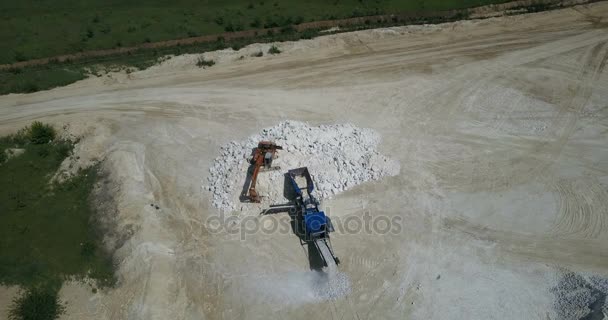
(338, 156)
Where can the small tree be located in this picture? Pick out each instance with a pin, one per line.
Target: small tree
(40, 133)
(274, 50)
(36, 304)
(202, 63)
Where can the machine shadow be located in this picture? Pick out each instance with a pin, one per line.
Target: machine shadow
(243, 197)
(315, 260)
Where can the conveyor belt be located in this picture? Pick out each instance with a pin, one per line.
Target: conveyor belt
(325, 253)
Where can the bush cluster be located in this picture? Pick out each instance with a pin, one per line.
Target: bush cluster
(274, 50)
(36, 304)
(40, 133)
(203, 63)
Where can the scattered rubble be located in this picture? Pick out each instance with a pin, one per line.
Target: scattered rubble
(581, 297)
(339, 156)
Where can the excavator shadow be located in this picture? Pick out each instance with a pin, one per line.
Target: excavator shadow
(243, 197)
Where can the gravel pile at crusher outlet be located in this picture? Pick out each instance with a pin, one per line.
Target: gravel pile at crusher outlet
(338, 156)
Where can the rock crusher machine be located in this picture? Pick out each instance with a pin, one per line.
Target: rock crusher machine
(317, 225)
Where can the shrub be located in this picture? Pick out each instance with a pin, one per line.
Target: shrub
(219, 44)
(270, 23)
(288, 29)
(29, 87)
(219, 20)
(287, 21)
(44, 151)
(19, 56)
(40, 133)
(87, 250)
(2, 156)
(309, 34)
(63, 150)
(274, 50)
(36, 304)
(202, 63)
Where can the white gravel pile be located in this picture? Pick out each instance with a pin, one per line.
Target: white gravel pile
(338, 156)
(298, 288)
(330, 285)
(575, 295)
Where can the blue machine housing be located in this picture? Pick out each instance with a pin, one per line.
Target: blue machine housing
(315, 223)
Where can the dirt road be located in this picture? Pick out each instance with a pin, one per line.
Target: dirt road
(500, 127)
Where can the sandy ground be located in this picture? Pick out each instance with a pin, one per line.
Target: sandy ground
(500, 127)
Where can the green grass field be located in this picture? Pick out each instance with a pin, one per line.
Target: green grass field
(32, 29)
(29, 80)
(46, 232)
(44, 28)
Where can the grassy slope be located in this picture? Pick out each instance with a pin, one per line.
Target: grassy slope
(41, 28)
(34, 79)
(45, 230)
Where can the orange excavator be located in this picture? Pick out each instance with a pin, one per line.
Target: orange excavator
(262, 158)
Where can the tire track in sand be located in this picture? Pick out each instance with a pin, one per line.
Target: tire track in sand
(583, 208)
(582, 204)
(590, 254)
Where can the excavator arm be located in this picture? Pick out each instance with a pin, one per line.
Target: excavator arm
(262, 157)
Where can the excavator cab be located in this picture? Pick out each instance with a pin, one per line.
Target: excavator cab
(268, 156)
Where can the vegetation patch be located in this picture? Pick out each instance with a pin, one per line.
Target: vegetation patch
(46, 230)
(204, 63)
(213, 19)
(54, 27)
(36, 304)
(27, 80)
(274, 50)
